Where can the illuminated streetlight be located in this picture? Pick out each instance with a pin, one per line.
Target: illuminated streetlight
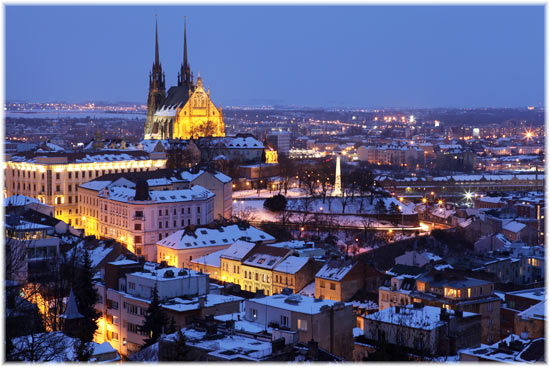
(440, 202)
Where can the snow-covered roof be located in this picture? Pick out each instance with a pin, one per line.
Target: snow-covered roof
(160, 274)
(21, 200)
(85, 157)
(210, 300)
(195, 193)
(266, 257)
(238, 250)
(529, 350)
(291, 264)
(228, 347)
(212, 259)
(425, 317)
(537, 311)
(294, 302)
(95, 185)
(335, 270)
(535, 293)
(206, 237)
(514, 226)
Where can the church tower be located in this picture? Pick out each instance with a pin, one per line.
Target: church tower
(185, 78)
(157, 88)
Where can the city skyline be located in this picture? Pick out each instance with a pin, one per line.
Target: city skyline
(365, 56)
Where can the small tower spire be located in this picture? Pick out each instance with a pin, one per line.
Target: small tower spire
(156, 41)
(185, 41)
(185, 72)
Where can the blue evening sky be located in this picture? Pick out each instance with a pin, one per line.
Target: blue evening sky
(351, 56)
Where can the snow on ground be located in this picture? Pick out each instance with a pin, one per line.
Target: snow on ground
(256, 211)
(266, 193)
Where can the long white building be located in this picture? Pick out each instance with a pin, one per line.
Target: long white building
(53, 177)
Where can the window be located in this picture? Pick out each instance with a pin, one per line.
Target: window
(198, 221)
(160, 225)
(137, 226)
(112, 335)
(160, 212)
(116, 320)
(256, 276)
(332, 286)
(57, 176)
(70, 199)
(137, 239)
(131, 285)
(57, 188)
(198, 209)
(166, 212)
(160, 236)
(322, 284)
(302, 325)
(139, 213)
(76, 174)
(175, 213)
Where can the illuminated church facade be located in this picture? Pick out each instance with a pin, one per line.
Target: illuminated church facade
(186, 111)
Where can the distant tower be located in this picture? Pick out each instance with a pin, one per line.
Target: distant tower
(338, 180)
(73, 318)
(185, 78)
(157, 89)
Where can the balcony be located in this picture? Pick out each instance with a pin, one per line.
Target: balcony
(138, 217)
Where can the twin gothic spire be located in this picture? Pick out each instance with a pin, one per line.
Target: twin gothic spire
(185, 77)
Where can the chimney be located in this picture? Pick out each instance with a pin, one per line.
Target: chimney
(202, 301)
(313, 350)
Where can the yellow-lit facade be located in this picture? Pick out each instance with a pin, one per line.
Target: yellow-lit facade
(54, 181)
(199, 117)
(231, 271)
(254, 278)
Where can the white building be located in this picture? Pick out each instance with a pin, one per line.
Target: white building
(53, 177)
(138, 217)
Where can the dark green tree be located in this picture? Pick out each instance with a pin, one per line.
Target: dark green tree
(86, 298)
(172, 327)
(277, 203)
(380, 206)
(155, 321)
(394, 209)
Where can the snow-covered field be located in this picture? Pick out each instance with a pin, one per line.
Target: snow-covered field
(253, 210)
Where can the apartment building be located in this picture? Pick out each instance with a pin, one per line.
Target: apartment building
(424, 331)
(456, 292)
(258, 265)
(295, 273)
(126, 292)
(138, 217)
(326, 322)
(54, 177)
(339, 280)
(180, 248)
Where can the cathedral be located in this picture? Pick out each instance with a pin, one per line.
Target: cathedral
(186, 111)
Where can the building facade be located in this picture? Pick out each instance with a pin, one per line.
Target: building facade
(53, 178)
